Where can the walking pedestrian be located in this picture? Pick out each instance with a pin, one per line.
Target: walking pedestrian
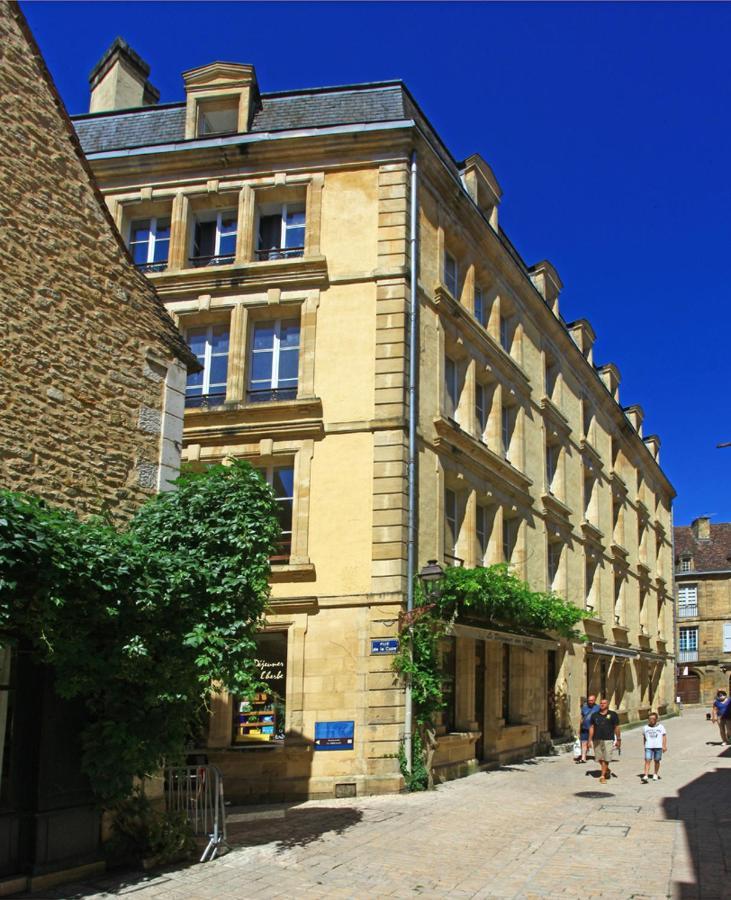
(603, 732)
(721, 713)
(588, 708)
(656, 743)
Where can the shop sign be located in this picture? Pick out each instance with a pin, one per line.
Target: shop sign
(334, 735)
(381, 646)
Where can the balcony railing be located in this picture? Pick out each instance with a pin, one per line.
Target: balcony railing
(280, 253)
(159, 266)
(687, 655)
(200, 262)
(685, 611)
(205, 401)
(267, 395)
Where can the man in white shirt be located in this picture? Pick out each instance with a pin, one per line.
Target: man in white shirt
(656, 743)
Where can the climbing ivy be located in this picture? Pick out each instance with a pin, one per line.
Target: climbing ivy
(139, 623)
(493, 595)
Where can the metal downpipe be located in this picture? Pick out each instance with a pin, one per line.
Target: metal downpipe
(413, 409)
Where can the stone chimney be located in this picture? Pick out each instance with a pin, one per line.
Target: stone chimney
(119, 80)
(701, 528)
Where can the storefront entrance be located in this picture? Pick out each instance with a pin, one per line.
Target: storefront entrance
(689, 688)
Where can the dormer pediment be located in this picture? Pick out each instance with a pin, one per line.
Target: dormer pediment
(482, 185)
(222, 98)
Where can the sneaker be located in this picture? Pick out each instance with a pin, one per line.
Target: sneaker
(655, 777)
(644, 779)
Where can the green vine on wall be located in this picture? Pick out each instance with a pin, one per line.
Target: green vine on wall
(138, 623)
(493, 595)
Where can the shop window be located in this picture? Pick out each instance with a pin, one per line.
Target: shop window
(448, 668)
(260, 719)
(274, 361)
(149, 243)
(214, 238)
(218, 116)
(281, 231)
(210, 344)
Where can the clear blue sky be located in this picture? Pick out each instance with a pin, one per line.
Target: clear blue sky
(607, 126)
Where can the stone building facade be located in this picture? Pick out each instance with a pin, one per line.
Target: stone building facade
(276, 229)
(93, 378)
(703, 616)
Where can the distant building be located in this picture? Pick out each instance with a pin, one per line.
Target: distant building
(703, 596)
(92, 378)
(276, 228)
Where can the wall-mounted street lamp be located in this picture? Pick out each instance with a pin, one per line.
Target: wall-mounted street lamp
(430, 576)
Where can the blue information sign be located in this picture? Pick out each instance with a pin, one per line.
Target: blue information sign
(334, 735)
(384, 645)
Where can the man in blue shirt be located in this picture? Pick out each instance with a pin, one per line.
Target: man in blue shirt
(721, 713)
(588, 708)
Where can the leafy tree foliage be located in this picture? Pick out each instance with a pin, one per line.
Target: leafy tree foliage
(492, 594)
(139, 623)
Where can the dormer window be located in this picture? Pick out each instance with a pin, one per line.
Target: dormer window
(214, 238)
(281, 232)
(218, 116)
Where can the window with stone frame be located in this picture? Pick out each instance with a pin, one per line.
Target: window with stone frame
(210, 344)
(508, 420)
(448, 669)
(451, 274)
(480, 306)
(149, 242)
(453, 383)
(280, 230)
(553, 457)
(687, 600)
(219, 115)
(213, 237)
(281, 478)
(273, 364)
(511, 526)
(555, 551)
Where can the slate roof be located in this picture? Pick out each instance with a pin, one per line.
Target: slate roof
(708, 556)
(279, 112)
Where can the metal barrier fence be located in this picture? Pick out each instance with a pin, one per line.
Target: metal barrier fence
(197, 791)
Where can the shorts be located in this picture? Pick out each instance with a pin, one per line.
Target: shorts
(603, 751)
(653, 753)
(584, 736)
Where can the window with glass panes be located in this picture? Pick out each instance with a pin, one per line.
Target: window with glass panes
(214, 238)
(450, 273)
(451, 387)
(554, 562)
(687, 599)
(510, 537)
(281, 478)
(508, 425)
(482, 532)
(480, 309)
(210, 344)
(687, 641)
(149, 243)
(505, 336)
(481, 408)
(450, 523)
(553, 452)
(274, 360)
(281, 232)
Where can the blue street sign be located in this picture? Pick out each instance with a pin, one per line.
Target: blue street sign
(334, 735)
(384, 645)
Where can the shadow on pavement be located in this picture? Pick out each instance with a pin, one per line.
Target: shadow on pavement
(703, 807)
(299, 827)
(593, 795)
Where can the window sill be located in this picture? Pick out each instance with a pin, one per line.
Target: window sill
(292, 572)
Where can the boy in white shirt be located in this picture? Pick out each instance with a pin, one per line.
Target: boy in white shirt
(656, 743)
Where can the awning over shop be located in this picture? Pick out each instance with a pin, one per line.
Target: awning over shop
(529, 641)
(611, 650)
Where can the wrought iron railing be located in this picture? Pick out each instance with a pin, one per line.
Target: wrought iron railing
(200, 262)
(687, 655)
(159, 266)
(280, 253)
(266, 395)
(205, 401)
(685, 611)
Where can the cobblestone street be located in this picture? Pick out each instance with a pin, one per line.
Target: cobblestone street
(546, 828)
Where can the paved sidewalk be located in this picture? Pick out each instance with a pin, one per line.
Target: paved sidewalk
(546, 828)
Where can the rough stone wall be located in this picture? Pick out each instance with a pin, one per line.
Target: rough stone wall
(85, 343)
